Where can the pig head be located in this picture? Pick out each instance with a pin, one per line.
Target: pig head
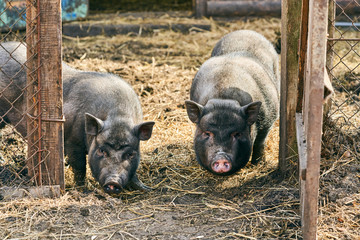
(114, 153)
(222, 139)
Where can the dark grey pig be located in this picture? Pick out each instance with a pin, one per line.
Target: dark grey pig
(103, 119)
(234, 102)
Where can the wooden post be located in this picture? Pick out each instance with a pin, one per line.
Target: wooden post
(290, 28)
(44, 93)
(200, 8)
(51, 92)
(313, 110)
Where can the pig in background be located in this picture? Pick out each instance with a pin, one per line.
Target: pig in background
(234, 102)
(103, 119)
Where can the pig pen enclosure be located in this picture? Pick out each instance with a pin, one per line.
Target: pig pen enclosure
(186, 201)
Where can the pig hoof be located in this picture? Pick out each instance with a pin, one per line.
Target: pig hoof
(138, 185)
(256, 160)
(221, 166)
(112, 188)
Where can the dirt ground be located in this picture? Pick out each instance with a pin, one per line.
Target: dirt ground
(186, 201)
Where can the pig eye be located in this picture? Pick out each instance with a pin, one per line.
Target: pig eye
(206, 134)
(237, 135)
(101, 152)
(129, 155)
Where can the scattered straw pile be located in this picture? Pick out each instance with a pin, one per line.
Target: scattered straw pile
(187, 202)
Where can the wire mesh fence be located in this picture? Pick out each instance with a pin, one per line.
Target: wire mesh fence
(13, 145)
(25, 106)
(344, 70)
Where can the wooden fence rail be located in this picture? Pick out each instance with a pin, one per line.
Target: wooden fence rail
(229, 8)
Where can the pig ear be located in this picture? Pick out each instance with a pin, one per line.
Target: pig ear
(93, 125)
(251, 112)
(144, 130)
(194, 110)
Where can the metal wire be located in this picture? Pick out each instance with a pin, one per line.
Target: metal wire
(21, 155)
(344, 70)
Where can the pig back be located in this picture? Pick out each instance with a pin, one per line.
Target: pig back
(103, 95)
(12, 84)
(12, 69)
(240, 77)
(252, 44)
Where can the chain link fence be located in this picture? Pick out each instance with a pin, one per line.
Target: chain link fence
(25, 158)
(13, 145)
(342, 126)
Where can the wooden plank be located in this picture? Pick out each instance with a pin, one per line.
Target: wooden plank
(302, 147)
(85, 29)
(302, 52)
(11, 193)
(243, 8)
(200, 8)
(290, 28)
(313, 109)
(51, 93)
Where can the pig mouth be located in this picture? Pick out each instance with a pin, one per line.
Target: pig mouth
(112, 187)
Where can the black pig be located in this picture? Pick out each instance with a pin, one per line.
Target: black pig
(234, 102)
(103, 119)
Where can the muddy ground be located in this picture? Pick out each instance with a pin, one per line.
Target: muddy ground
(187, 202)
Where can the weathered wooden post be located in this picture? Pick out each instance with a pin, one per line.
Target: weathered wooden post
(310, 119)
(290, 29)
(44, 92)
(313, 110)
(200, 8)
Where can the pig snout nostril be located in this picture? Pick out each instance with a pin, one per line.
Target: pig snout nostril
(112, 187)
(221, 166)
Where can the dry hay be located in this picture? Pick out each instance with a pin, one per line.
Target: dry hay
(339, 215)
(187, 202)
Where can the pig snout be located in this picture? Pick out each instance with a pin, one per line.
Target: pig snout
(221, 163)
(112, 187)
(114, 184)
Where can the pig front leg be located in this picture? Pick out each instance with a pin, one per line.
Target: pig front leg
(135, 183)
(77, 161)
(258, 153)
